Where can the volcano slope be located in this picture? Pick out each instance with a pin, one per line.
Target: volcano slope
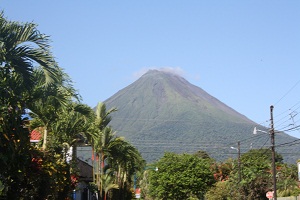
(162, 112)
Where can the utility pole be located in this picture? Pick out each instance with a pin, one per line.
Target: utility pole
(272, 134)
(239, 160)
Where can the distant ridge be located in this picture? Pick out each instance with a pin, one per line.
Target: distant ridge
(162, 111)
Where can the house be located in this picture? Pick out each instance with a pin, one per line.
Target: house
(84, 166)
(83, 191)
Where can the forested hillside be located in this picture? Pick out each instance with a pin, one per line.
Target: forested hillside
(163, 112)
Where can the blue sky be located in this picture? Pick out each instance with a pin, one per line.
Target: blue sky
(245, 53)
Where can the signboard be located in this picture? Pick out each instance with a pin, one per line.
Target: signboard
(298, 164)
(137, 193)
(269, 194)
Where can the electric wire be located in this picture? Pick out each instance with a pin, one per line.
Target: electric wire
(219, 144)
(287, 92)
(291, 129)
(282, 126)
(289, 119)
(288, 143)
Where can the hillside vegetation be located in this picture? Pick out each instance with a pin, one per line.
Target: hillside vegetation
(163, 112)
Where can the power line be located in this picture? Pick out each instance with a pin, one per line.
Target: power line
(287, 92)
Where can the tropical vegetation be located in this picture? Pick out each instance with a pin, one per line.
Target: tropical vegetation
(36, 94)
(180, 176)
(196, 176)
(256, 178)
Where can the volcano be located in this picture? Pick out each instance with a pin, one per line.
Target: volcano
(162, 112)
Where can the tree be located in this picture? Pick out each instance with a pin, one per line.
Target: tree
(48, 102)
(71, 125)
(22, 45)
(220, 191)
(101, 144)
(108, 183)
(100, 136)
(256, 174)
(256, 177)
(202, 154)
(126, 161)
(181, 177)
(113, 153)
(222, 170)
(47, 175)
(22, 48)
(287, 180)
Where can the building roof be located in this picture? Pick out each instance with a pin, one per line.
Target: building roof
(85, 170)
(35, 136)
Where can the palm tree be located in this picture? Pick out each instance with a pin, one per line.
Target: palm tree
(103, 116)
(126, 161)
(100, 136)
(48, 102)
(108, 183)
(120, 156)
(102, 141)
(22, 47)
(72, 124)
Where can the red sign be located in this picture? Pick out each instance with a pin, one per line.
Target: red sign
(269, 194)
(137, 193)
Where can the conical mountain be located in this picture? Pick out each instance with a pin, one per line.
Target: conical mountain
(162, 111)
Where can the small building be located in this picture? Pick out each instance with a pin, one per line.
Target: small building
(85, 177)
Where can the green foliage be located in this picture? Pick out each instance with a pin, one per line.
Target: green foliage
(48, 104)
(26, 172)
(256, 177)
(14, 155)
(1, 188)
(41, 175)
(256, 174)
(202, 154)
(15, 83)
(22, 46)
(220, 191)
(115, 154)
(222, 170)
(54, 176)
(180, 177)
(70, 126)
(287, 180)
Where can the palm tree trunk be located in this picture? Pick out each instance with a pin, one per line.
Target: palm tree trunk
(45, 138)
(101, 172)
(93, 164)
(100, 175)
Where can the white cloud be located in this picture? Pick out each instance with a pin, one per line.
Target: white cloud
(174, 70)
